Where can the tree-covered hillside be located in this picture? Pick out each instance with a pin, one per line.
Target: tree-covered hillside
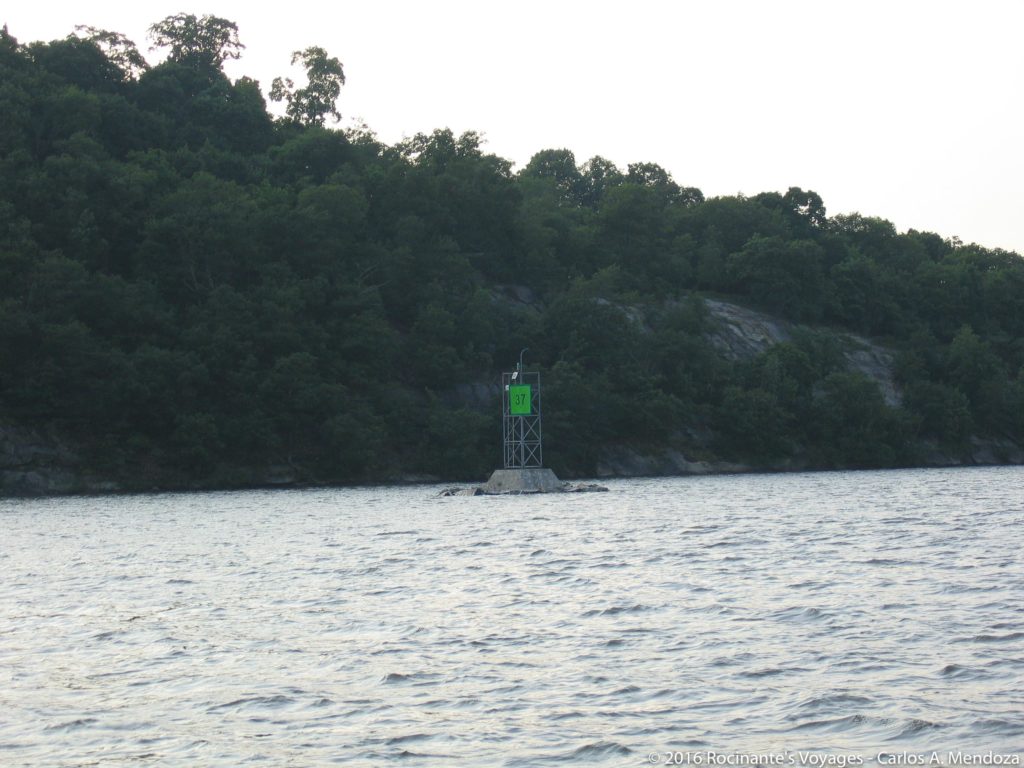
(196, 293)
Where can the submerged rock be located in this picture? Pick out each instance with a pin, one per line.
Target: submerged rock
(461, 492)
(584, 488)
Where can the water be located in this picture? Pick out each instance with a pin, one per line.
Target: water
(834, 613)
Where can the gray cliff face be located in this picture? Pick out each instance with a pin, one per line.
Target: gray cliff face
(876, 363)
(741, 333)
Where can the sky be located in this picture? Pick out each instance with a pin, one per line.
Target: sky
(910, 111)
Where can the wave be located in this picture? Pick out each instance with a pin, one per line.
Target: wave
(599, 750)
(251, 702)
(398, 678)
(72, 725)
(987, 638)
(617, 610)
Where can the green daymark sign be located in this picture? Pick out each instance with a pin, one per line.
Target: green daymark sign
(519, 400)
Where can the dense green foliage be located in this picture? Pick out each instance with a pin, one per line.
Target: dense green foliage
(197, 291)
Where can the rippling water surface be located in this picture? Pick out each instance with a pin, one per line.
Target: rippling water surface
(837, 612)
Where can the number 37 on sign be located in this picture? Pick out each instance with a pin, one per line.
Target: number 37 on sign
(519, 399)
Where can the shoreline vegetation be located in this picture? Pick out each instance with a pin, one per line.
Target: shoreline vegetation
(195, 294)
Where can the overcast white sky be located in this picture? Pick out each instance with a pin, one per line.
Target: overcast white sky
(911, 111)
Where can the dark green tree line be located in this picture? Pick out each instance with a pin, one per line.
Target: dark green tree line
(199, 291)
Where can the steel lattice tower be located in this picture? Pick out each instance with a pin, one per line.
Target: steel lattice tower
(521, 419)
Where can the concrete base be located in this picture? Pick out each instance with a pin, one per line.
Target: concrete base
(536, 480)
(516, 481)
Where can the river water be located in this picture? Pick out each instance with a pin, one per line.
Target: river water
(869, 615)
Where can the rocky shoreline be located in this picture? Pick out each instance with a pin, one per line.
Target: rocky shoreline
(35, 464)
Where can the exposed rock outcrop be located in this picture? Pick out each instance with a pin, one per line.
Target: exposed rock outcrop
(995, 451)
(741, 333)
(35, 464)
(876, 363)
(621, 461)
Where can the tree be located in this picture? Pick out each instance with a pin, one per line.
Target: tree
(976, 370)
(753, 424)
(941, 412)
(312, 104)
(80, 63)
(118, 49)
(861, 299)
(597, 176)
(206, 41)
(654, 176)
(783, 275)
(807, 205)
(558, 165)
(852, 424)
(441, 149)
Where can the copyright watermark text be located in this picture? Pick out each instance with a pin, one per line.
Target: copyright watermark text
(711, 759)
